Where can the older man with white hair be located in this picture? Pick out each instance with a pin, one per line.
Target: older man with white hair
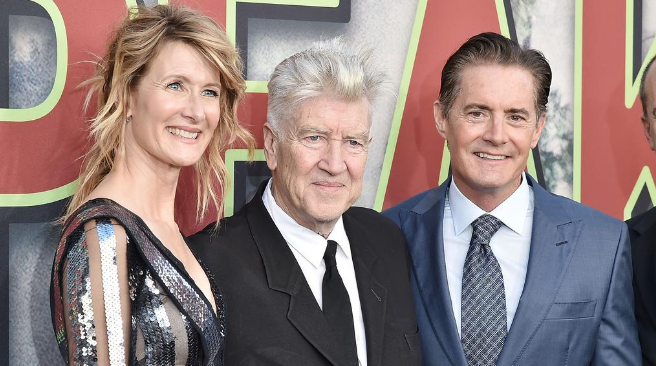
(308, 279)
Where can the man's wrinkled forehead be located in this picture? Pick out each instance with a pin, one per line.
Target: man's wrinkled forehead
(299, 119)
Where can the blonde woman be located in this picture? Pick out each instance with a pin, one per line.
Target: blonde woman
(126, 289)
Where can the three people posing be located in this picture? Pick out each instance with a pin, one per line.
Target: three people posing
(501, 271)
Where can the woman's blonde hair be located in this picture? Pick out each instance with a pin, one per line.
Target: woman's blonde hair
(133, 47)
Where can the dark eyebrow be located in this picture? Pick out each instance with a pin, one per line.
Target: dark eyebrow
(477, 106)
(518, 111)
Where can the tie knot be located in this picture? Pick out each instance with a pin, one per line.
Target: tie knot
(484, 228)
(329, 255)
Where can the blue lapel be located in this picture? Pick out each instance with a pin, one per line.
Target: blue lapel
(552, 244)
(423, 226)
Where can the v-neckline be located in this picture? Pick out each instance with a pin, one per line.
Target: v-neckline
(158, 243)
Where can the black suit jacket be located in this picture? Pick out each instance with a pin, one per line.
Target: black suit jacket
(272, 315)
(642, 231)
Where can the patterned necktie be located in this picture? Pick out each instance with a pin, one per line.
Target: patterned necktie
(483, 328)
(337, 306)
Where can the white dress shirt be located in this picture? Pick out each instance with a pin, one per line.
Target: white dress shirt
(510, 245)
(309, 247)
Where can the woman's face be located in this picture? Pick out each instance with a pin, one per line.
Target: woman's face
(175, 108)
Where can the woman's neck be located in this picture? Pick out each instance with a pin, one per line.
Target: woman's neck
(145, 188)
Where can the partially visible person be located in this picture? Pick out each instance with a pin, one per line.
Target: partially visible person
(126, 289)
(642, 230)
(308, 279)
(504, 272)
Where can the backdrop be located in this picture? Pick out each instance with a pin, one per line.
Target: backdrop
(592, 149)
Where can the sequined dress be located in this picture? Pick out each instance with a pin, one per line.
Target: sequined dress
(172, 323)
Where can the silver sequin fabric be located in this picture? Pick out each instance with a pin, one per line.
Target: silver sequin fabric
(158, 338)
(80, 309)
(111, 292)
(192, 302)
(172, 323)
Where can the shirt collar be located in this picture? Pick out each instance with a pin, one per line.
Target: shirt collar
(512, 211)
(309, 244)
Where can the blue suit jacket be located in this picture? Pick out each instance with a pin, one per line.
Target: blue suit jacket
(577, 304)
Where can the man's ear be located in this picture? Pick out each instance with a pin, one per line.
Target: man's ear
(538, 130)
(440, 120)
(649, 133)
(270, 146)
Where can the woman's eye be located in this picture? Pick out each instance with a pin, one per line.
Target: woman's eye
(174, 86)
(210, 93)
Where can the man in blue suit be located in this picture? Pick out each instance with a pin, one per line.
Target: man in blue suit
(504, 272)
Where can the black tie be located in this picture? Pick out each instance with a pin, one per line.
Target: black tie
(337, 306)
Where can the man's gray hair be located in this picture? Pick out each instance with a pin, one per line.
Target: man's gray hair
(328, 68)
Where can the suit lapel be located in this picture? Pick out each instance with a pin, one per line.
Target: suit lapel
(553, 240)
(285, 275)
(427, 253)
(373, 296)
(644, 252)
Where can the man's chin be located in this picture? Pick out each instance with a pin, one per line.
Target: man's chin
(327, 215)
(500, 185)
